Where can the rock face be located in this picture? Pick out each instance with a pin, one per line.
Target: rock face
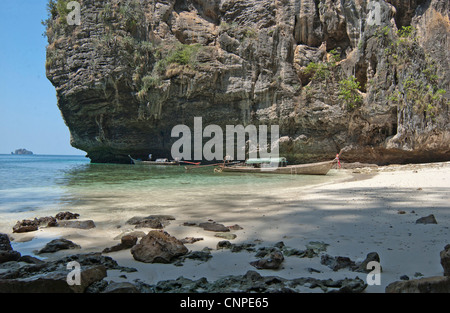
(368, 78)
(158, 247)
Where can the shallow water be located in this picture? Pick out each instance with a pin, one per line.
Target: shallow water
(34, 186)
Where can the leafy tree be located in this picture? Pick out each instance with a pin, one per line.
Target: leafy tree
(349, 92)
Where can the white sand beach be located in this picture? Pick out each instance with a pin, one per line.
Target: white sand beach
(361, 211)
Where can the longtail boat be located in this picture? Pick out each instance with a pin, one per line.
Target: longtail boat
(157, 162)
(279, 166)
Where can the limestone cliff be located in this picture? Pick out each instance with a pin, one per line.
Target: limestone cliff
(370, 78)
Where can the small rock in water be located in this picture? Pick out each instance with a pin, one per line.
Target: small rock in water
(404, 277)
(430, 219)
(57, 245)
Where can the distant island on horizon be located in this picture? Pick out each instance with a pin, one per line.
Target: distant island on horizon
(22, 152)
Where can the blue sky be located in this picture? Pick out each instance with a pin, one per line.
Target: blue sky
(29, 116)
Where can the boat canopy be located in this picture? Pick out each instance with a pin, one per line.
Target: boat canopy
(266, 160)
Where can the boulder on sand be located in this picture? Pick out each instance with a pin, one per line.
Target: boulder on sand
(158, 247)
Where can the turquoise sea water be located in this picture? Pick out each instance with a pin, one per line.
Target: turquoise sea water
(32, 186)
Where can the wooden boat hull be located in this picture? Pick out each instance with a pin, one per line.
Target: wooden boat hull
(321, 168)
(139, 162)
(155, 163)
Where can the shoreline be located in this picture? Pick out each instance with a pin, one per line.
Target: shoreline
(354, 215)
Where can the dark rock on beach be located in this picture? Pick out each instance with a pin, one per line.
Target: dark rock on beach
(158, 247)
(136, 233)
(445, 260)
(6, 251)
(363, 266)
(254, 282)
(123, 287)
(340, 262)
(33, 225)
(213, 226)
(88, 224)
(337, 263)
(126, 242)
(57, 245)
(227, 236)
(190, 240)
(30, 259)
(430, 219)
(47, 221)
(225, 244)
(271, 260)
(66, 216)
(51, 277)
(201, 256)
(235, 227)
(25, 226)
(313, 248)
(435, 284)
(152, 221)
